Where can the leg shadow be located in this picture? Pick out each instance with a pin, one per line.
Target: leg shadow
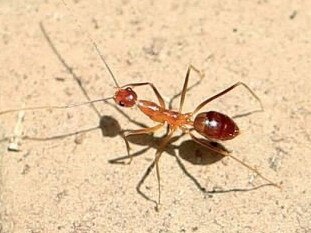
(200, 155)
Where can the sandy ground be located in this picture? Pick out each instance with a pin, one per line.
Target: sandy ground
(69, 185)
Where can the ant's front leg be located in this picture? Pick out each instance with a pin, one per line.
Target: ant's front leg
(157, 93)
(128, 133)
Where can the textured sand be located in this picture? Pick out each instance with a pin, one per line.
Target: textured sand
(68, 185)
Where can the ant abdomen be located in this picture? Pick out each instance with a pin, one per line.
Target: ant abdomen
(215, 125)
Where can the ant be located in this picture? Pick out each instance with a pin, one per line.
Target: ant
(213, 126)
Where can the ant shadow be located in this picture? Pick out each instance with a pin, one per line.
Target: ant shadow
(188, 150)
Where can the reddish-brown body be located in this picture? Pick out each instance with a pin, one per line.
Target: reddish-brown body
(215, 125)
(162, 115)
(211, 125)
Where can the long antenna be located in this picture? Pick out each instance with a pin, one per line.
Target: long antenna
(93, 42)
(53, 106)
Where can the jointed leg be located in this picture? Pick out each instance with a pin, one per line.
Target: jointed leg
(157, 93)
(142, 180)
(225, 153)
(163, 144)
(221, 151)
(136, 132)
(170, 105)
(224, 92)
(119, 160)
(194, 180)
(184, 90)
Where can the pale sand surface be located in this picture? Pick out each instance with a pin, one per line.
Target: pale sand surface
(68, 185)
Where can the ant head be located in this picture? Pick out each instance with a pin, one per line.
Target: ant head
(125, 97)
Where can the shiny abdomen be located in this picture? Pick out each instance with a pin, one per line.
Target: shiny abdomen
(215, 125)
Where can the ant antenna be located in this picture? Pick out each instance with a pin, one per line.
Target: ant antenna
(93, 42)
(104, 61)
(54, 106)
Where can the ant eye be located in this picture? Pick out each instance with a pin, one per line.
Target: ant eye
(121, 103)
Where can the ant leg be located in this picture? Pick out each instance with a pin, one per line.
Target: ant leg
(128, 133)
(157, 93)
(222, 151)
(163, 144)
(119, 160)
(226, 153)
(226, 91)
(185, 87)
(193, 179)
(170, 105)
(141, 182)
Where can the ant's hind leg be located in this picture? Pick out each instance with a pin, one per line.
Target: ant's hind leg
(219, 149)
(226, 153)
(128, 133)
